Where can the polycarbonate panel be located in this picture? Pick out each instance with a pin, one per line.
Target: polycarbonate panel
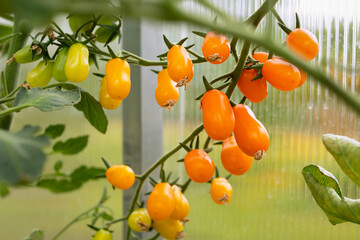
(272, 201)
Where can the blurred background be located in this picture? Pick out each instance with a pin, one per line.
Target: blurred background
(271, 201)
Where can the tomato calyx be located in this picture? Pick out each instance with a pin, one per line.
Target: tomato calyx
(259, 155)
(183, 82)
(180, 235)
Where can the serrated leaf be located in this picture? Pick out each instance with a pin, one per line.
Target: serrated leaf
(93, 111)
(36, 235)
(54, 131)
(22, 156)
(326, 191)
(48, 99)
(346, 152)
(71, 146)
(76, 179)
(4, 190)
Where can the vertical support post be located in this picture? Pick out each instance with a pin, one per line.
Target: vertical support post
(142, 117)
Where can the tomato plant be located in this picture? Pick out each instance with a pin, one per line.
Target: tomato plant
(66, 56)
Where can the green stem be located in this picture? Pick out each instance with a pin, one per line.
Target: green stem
(11, 70)
(7, 99)
(277, 16)
(11, 110)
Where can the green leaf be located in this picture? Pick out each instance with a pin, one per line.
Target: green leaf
(36, 235)
(58, 165)
(346, 152)
(72, 182)
(71, 146)
(22, 156)
(48, 99)
(106, 217)
(54, 131)
(4, 190)
(93, 111)
(327, 193)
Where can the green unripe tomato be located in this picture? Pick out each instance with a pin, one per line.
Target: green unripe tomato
(139, 220)
(40, 75)
(24, 55)
(77, 20)
(59, 65)
(102, 235)
(77, 63)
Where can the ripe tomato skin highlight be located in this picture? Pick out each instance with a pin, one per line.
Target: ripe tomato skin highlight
(102, 235)
(118, 82)
(161, 204)
(233, 159)
(24, 55)
(216, 48)
(250, 135)
(256, 90)
(169, 228)
(77, 63)
(182, 208)
(218, 117)
(120, 176)
(303, 42)
(40, 75)
(139, 220)
(166, 93)
(281, 75)
(180, 66)
(199, 166)
(105, 99)
(59, 66)
(221, 191)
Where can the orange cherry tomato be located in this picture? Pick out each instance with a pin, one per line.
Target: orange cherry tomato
(216, 48)
(166, 92)
(105, 100)
(161, 204)
(233, 159)
(169, 228)
(262, 56)
(120, 176)
(256, 90)
(117, 73)
(303, 42)
(250, 135)
(221, 191)
(218, 117)
(180, 67)
(199, 166)
(281, 75)
(182, 208)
